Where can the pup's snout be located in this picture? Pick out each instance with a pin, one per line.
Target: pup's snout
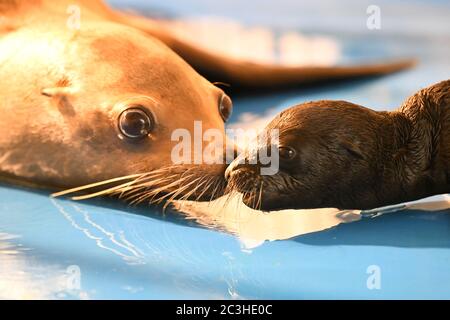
(230, 169)
(240, 159)
(237, 165)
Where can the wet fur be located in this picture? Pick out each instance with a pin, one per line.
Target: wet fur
(351, 157)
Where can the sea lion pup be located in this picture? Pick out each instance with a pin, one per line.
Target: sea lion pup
(94, 102)
(338, 154)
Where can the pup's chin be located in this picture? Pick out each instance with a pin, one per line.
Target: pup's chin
(274, 202)
(266, 203)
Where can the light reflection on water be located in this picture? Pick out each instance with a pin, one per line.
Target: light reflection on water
(253, 227)
(115, 242)
(23, 277)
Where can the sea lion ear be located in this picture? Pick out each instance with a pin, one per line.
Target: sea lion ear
(57, 91)
(60, 97)
(351, 148)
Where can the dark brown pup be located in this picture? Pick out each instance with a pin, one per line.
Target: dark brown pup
(338, 154)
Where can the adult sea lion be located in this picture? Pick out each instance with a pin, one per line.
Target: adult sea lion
(338, 154)
(99, 101)
(76, 110)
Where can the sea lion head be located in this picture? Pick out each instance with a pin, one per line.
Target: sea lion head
(328, 157)
(103, 102)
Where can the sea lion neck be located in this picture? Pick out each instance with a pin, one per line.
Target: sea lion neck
(419, 154)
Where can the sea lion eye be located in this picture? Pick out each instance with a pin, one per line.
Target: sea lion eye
(225, 107)
(287, 153)
(135, 123)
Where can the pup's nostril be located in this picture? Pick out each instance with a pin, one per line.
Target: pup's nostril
(228, 171)
(235, 166)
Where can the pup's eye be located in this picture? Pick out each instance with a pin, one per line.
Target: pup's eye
(225, 107)
(135, 123)
(287, 153)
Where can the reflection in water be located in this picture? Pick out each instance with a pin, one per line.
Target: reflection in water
(157, 252)
(233, 276)
(433, 206)
(22, 277)
(184, 259)
(256, 44)
(254, 227)
(104, 239)
(251, 227)
(433, 203)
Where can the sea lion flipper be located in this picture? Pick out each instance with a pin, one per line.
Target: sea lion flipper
(251, 75)
(245, 74)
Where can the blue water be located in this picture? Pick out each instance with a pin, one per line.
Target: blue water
(128, 255)
(52, 248)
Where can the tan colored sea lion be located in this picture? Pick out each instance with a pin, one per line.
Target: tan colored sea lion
(341, 155)
(99, 100)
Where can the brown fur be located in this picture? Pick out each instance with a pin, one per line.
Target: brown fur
(63, 90)
(351, 157)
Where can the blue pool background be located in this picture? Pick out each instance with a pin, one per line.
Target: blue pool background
(140, 253)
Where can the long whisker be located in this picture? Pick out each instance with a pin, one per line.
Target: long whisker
(253, 192)
(100, 193)
(120, 188)
(231, 193)
(145, 194)
(179, 181)
(259, 203)
(213, 193)
(196, 187)
(164, 184)
(177, 193)
(130, 190)
(93, 185)
(208, 185)
(187, 195)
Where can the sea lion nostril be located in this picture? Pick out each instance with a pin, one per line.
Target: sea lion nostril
(228, 173)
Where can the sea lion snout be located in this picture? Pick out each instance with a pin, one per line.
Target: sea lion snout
(240, 163)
